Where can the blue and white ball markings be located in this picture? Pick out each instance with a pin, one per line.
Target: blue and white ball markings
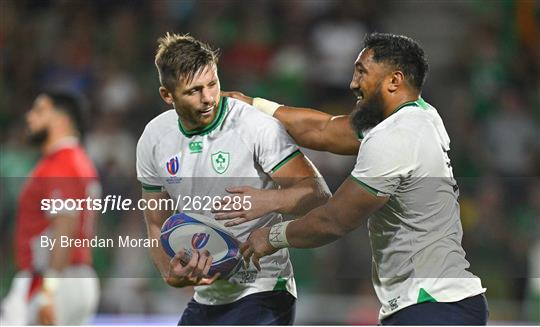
(196, 231)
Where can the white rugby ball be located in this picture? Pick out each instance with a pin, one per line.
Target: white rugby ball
(195, 231)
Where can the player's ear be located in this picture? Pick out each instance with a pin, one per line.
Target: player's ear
(396, 79)
(166, 95)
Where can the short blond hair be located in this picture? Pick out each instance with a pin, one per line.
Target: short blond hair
(180, 57)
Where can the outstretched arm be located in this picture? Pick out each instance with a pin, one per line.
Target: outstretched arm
(313, 129)
(318, 130)
(343, 213)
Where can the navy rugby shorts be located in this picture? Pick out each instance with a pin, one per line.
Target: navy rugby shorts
(470, 311)
(265, 308)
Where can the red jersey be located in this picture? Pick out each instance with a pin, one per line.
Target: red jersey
(65, 173)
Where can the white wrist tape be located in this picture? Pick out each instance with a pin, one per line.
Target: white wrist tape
(266, 106)
(277, 236)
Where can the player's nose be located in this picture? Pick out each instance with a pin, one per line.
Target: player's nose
(207, 97)
(354, 85)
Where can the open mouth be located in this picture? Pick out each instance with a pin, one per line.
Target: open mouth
(207, 112)
(359, 95)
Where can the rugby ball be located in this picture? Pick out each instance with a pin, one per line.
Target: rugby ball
(190, 231)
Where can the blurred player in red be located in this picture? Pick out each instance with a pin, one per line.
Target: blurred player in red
(54, 284)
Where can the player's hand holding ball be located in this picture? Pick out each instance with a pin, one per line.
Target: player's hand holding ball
(193, 272)
(200, 249)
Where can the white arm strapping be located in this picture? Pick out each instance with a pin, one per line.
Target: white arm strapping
(266, 106)
(277, 236)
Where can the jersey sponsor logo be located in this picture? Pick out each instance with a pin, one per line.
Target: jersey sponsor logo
(220, 161)
(173, 165)
(199, 240)
(195, 147)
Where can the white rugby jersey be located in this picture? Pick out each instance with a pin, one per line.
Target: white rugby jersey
(241, 146)
(416, 236)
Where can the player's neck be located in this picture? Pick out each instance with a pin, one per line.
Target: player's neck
(56, 139)
(398, 100)
(190, 126)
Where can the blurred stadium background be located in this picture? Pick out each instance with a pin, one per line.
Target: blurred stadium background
(484, 78)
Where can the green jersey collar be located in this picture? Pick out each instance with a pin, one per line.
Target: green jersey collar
(218, 119)
(418, 103)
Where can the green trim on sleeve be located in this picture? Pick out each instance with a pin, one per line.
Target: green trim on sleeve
(284, 161)
(218, 119)
(151, 188)
(366, 187)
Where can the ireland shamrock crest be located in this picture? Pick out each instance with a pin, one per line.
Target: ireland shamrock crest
(220, 161)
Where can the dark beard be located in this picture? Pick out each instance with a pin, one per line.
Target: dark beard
(38, 138)
(368, 114)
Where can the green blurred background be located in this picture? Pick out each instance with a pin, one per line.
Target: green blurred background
(484, 79)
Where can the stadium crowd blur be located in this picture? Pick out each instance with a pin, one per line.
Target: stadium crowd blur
(484, 79)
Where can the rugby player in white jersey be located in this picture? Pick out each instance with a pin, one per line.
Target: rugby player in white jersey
(402, 181)
(207, 146)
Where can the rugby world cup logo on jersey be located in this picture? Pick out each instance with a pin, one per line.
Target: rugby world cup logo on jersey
(199, 240)
(173, 165)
